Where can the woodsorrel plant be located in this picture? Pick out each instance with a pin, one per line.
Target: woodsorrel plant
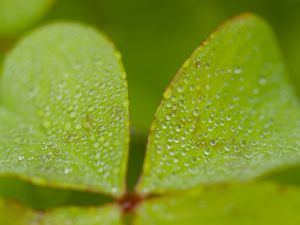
(224, 135)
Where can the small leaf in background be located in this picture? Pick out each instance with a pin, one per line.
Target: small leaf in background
(246, 204)
(65, 121)
(17, 15)
(229, 114)
(14, 214)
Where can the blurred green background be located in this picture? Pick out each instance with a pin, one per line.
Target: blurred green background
(155, 37)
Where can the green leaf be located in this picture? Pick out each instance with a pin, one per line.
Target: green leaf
(229, 115)
(14, 214)
(64, 116)
(246, 204)
(17, 15)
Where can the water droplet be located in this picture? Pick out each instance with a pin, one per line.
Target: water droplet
(196, 113)
(227, 147)
(20, 157)
(255, 91)
(67, 170)
(237, 70)
(97, 156)
(213, 142)
(168, 117)
(207, 152)
(180, 89)
(262, 81)
(96, 144)
(207, 66)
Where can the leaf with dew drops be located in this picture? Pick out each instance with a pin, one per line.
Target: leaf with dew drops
(17, 15)
(14, 214)
(64, 111)
(230, 114)
(235, 204)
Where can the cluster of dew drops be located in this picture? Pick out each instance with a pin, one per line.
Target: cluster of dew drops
(215, 114)
(84, 122)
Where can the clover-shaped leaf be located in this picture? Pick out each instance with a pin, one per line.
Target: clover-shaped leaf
(65, 121)
(229, 115)
(17, 15)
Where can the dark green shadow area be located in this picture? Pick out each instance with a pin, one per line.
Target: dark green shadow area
(41, 198)
(287, 176)
(136, 158)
